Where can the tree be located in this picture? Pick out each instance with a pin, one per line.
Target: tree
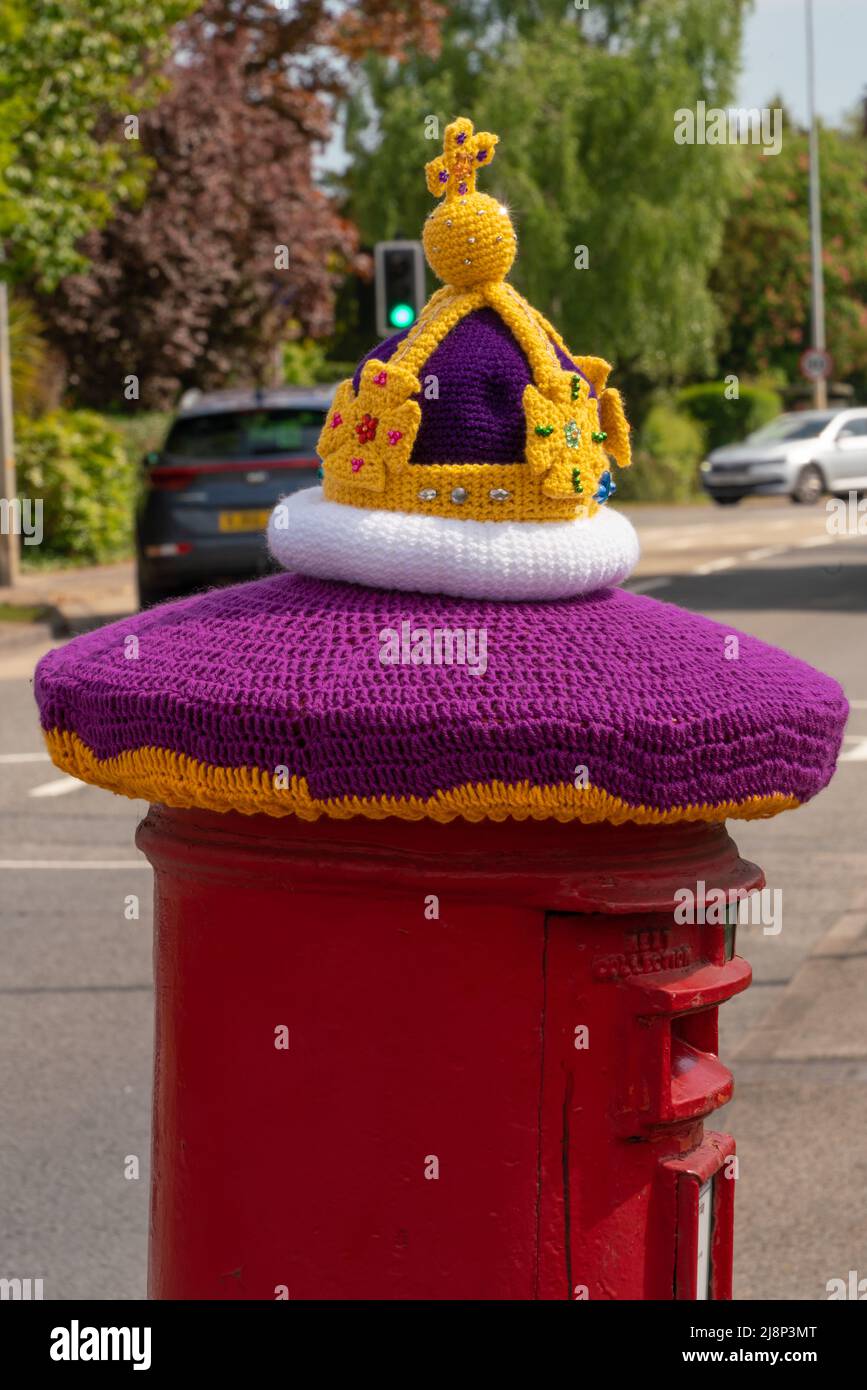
(69, 73)
(585, 107)
(762, 281)
(36, 372)
(234, 240)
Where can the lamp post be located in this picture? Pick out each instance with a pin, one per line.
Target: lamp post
(817, 282)
(8, 535)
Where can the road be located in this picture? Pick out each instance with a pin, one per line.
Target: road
(75, 971)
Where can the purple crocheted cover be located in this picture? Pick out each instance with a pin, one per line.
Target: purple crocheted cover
(287, 671)
(479, 415)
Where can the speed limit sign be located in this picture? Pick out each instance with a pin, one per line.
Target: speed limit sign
(816, 364)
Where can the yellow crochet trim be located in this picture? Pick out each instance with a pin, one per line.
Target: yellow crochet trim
(427, 334)
(367, 436)
(520, 318)
(524, 500)
(173, 779)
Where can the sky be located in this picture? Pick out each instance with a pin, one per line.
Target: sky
(774, 55)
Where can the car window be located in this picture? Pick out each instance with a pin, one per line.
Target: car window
(807, 424)
(246, 434)
(858, 426)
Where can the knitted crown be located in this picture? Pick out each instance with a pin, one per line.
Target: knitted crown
(479, 413)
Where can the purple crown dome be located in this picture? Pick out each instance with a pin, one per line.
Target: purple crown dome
(472, 392)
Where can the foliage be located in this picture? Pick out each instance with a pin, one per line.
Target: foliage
(69, 72)
(234, 240)
(142, 432)
(762, 281)
(76, 463)
(667, 452)
(21, 613)
(725, 421)
(585, 105)
(28, 352)
(305, 364)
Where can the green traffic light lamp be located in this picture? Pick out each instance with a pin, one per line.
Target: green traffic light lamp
(401, 315)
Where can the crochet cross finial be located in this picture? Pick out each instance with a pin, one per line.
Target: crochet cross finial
(453, 173)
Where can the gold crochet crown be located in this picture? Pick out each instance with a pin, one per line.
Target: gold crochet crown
(574, 426)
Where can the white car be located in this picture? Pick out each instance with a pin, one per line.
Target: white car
(803, 453)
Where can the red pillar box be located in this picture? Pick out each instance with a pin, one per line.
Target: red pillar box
(427, 1025)
(500, 1052)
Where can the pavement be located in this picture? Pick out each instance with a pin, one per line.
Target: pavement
(74, 599)
(75, 970)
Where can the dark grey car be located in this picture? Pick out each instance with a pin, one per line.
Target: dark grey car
(228, 458)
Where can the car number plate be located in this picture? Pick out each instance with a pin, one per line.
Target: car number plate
(244, 521)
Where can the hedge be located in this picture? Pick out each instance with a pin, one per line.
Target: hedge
(667, 451)
(727, 421)
(76, 463)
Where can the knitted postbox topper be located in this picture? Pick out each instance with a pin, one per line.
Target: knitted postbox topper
(448, 642)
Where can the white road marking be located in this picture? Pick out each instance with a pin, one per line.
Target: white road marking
(662, 534)
(764, 554)
(24, 758)
(74, 864)
(726, 563)
(59, 787)
(856, 754)
(644, 586)
(664, 538)
(858, 704)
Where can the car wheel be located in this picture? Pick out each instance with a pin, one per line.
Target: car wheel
(810, 485)
(728, 499)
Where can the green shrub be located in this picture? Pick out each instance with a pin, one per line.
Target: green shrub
(728, 421)
(667, 451)
(305, 364)
(76, 463)
(143, 432)
(29, 354)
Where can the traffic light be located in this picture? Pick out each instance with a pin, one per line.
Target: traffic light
(399, 275)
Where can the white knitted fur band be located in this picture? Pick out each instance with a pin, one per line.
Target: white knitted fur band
(441, 555)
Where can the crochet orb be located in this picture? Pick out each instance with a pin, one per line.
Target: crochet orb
(449, 642)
